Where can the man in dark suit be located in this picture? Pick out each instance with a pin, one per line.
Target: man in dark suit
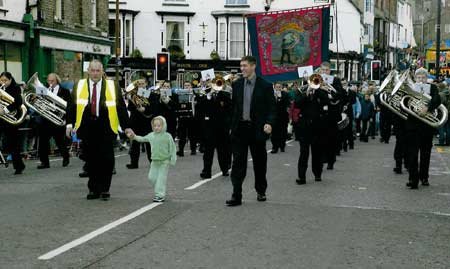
(97, 112)
(48, 129)
(253, 115)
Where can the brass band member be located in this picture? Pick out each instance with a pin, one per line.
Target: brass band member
(140, 122)
(279, 130)
(12, 131)
(419, 137)
(96, 114)
(311, 128)
(47, 129)
(186, 124)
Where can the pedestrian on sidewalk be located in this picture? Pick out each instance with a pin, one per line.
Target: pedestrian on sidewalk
(163, 154)
(367, 113)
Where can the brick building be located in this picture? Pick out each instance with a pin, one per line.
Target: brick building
(60, 35)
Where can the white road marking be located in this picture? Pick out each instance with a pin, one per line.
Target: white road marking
(93, 234)
(198, 184)
(437, 213)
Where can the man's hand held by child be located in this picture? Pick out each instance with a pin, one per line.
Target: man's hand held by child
(129, 133)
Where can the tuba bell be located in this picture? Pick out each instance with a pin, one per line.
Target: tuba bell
(391, 96)
(131, 93)
(13, 117)
(414, 102)
(49, 105)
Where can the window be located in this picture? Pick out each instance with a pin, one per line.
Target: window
(127, 37)
(58, 9)
(222, 39)
(368, 6)
(2, 4)
(112, 31)
(93, 13)
(175, 36)
(78, 8)
(331, 29)
(237, 41)
(235, 2)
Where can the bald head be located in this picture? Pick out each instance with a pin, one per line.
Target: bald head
(95, 70)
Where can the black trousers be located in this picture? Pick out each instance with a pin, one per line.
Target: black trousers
(418, 142)
(186, 130)
(221, 143)
(400, 148)
(347, 133)
(315, 142)
(279, 135)
(364, 136)
(135, 152)
(243, 139)
(331, 143)
(12, 144)
(48, 130)
(99, 148)
(385, 126)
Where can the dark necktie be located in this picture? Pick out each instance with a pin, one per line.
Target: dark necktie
(94, 100)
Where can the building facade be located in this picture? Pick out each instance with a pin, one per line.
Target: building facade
(56, 36)
(200, 30)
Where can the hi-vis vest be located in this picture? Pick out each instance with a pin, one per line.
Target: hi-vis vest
(83, 100)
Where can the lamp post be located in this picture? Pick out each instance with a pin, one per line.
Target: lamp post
(438, 39)
(117, 40)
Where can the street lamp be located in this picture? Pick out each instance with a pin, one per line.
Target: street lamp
(117, 46)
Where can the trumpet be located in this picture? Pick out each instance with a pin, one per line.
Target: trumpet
(50, 106)
(13, 117)
(131, 93)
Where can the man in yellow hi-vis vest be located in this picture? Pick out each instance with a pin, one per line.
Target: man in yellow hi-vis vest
(97, 111)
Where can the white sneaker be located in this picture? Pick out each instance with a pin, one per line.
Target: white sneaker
(158, 199)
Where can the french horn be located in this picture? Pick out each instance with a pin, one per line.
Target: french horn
(13, 117)
(49, 106)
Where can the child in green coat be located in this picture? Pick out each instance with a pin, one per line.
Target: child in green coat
(163, 155)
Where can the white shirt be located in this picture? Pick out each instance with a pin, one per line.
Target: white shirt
(99, 89)
(55, 89)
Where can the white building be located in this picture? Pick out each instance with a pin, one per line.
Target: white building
(12, 37)
(402, 31)
(199, 27)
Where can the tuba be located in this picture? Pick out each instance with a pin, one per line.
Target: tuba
(49, 106)
(391, 96)
(131, 93)
(13, 117)
(414, 102)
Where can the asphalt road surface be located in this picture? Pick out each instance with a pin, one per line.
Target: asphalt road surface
(360, 216)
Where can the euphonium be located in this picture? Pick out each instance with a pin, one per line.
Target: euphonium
(414, 102)
(131, 93)
(50, 106)
(390, 96)
(13, 117)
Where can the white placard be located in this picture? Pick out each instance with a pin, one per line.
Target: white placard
(328, 78)
(208, 74)
(305, 71)
(85, 66)
(143, 92)
(422, 88)
(166, 92)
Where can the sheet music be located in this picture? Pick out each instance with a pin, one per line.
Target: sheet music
(41, 90)
(422, 88)
(143, 92)
(305, 71)
(328, 78)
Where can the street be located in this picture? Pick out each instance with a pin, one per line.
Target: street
(360, 216)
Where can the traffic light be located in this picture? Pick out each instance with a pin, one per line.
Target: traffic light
(162, 66)
(375, 70)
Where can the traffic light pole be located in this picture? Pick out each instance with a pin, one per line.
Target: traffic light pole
(117, 44)
(438, 40)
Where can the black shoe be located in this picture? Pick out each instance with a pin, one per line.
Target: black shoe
(43, 166)
(330, 167)
(83, 174)
(114, 171)
(318, 179)
(425, 182)
(93, 196)
(105, 196)
(180, 153)
(205, 175)
(413, 186)
(225, 174)
(132, 166)
(234, 202)
(397, 170)
(351, 147)
(345, 149)
(282, 150)
(261, 197)
(18, 171)
(273, 151)
(66, 162)
(193, 152)
(301, 181)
